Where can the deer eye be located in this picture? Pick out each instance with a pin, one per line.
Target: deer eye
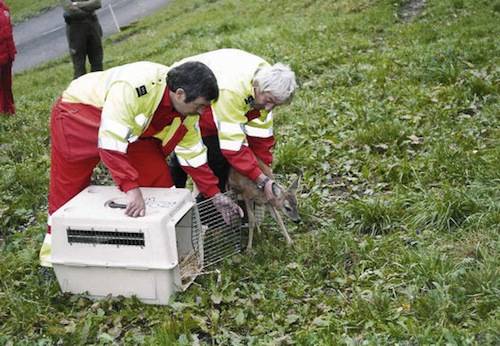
(287, 207)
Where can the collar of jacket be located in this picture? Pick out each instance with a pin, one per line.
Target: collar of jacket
(163, 116)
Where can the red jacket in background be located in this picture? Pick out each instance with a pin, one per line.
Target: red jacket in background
(7, 46)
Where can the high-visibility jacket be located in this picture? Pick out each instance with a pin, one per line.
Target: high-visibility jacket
(129, 97)
(243, 133)
(7, 46)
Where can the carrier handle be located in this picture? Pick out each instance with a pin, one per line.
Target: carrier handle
(117, 205)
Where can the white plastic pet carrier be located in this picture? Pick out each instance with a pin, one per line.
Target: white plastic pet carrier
(98, 250)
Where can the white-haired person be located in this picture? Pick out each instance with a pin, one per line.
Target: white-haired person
(238, 127)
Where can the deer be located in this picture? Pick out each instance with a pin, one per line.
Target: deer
(253, 197)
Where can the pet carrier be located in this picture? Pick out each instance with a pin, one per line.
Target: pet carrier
(98, 250)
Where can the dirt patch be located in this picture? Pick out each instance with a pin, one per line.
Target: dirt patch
(411, 9)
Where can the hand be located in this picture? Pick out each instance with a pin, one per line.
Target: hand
(266, 184)
(226, 207)
(135, 204)
(269, 190)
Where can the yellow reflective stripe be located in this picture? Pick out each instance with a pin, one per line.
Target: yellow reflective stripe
(112, 144)
(115, 127)
(194, 162)
(141, 120)
(258, 132)
(229, 128)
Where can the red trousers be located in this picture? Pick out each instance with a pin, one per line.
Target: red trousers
(74, 154)
(6, 98)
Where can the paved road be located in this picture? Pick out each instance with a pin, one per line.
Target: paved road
(43, 38)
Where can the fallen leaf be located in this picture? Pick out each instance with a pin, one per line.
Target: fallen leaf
(318, 321)
(292, 318)
(216, 298)
(240, 318)
(415, 139)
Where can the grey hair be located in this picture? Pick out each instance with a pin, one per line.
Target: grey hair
(278, 79)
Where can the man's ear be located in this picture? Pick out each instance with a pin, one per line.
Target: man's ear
(180, 94)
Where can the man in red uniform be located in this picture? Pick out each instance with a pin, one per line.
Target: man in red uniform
(131, 117)
(7, 54)
(238, 127)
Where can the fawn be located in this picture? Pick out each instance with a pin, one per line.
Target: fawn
(285, 200)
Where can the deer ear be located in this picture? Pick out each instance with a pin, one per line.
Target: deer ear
(277, 191)
(295, 185)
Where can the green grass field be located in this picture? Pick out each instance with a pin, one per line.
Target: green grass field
(395, 132)
(23, 9)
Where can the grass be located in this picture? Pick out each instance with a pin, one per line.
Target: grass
(23, 9)
(395, 134)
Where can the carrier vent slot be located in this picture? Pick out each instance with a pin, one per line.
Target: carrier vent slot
(105, 237)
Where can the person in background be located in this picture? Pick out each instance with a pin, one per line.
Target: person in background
(7, 54)
(238, 127)
(84, 34)
(131, 117)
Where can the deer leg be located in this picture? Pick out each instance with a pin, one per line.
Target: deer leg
(261, 209)
(257, 225)
(276, 215)
(251, 223)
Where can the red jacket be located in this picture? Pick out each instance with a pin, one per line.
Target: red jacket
(7, 46)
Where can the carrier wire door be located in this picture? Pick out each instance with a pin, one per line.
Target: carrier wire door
(218, 240)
